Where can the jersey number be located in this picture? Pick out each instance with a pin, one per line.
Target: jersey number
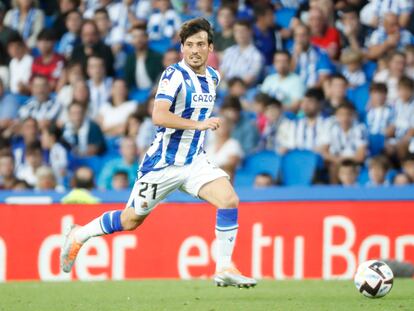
(145, 188)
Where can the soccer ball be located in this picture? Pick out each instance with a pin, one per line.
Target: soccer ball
(374, 279)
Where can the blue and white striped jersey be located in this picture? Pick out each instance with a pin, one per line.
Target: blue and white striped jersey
(379, 119)
(192, 97)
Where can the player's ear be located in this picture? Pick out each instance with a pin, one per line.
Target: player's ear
(181, 48)
(211, 47)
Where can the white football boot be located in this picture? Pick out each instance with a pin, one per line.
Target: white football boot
(233, 277)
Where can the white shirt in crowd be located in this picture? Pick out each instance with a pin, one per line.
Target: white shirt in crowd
(20, 71)
(141, 75)
(240, 63)
(403, 117)
(116, 115)
(98, 95)
(221, 156)
(379, 119)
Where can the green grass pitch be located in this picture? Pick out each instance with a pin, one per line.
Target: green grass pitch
(200, 295)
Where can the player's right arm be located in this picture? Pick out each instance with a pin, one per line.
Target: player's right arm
(162, 116)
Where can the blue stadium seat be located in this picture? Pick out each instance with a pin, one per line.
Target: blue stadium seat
(160, 46)
(243, 178)
(283, 17)
(139, 95)
(298, 168)
(359, 97)
(263, 162)
(376, 144)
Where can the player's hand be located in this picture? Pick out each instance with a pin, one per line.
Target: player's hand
(210, 123)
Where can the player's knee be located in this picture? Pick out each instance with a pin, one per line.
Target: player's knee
(231, 200)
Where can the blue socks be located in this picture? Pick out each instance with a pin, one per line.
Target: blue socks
(111, 222)
(226, 232)
(227, 219)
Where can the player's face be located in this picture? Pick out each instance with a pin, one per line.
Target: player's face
(196, 49)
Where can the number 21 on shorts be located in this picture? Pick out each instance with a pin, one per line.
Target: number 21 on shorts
(149, 190)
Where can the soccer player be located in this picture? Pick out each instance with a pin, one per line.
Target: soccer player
(176, 159)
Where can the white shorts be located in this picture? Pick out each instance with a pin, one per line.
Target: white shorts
(155, 186)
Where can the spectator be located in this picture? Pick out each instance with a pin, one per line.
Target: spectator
(408, 167)
(205, 8)
(170, 57)
(237, 87)
(345, 139)
(120, 180)
(40, 107)
(379, 115)
(389, 37)
(29, 132)
(409, 61)
(351, 61)
(82, 184)
(260, 102)
(276, 129)
(20, 67)
(80, 94)
(91, 44)
(335, 88)
(70, 38)
(127, 162)
(99, 85)
(132, 13)
(263, 180)
(323, 35)
(33, 160)
(7, 177)
(21, 185)
(55, 152)
(9, 107)
(311, 63)
(348, 173)
(164, 22)
(144, 66)
(243, 59)
(353, 34)
(113, 114)
(83, 135)
(147, 129)
(307, 132)
(284, 84)
(401, 179)
(390, 76)
(265, 33)
(26, 19)
(223, 38)
(244, 131)
(5, 31)
(402, 128)
(224, 151)
(377, 171)
(45, 179)
(132, 126)
(401, 8)
(66, 8)
(48, 64)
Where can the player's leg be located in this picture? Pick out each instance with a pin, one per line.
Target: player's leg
(143, 199)
(221, 194)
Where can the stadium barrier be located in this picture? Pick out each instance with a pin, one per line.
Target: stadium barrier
(318, 239)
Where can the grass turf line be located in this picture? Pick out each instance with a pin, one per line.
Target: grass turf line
(199, 295)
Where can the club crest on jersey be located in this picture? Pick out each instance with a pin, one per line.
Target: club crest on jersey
(168, 73)
(202, 100)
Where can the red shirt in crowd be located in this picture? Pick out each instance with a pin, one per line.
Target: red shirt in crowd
(330, 38)
(51, 70)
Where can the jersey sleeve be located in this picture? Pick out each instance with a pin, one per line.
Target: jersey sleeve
(215, 75)
(169, 85)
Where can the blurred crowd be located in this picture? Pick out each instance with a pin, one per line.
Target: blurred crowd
(331, 77)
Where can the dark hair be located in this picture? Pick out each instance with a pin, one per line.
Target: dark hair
(378, 87)
(314, 93)
(406, 82)
(39, 76)
(82, 181)
(120, 172)
(349, 163)
(47, 34)
(262, 98)
(346, 105)
(379, 160)
(408, 158)
(101, 10)
(244, 22)
(339, 77)
(54, 130)
(261, 10)
(227, 7)
(348, 9)
(73, 11)
(15, 37)
(33, 147)
(231, 102)
(140, 28)
(89, 21)
(282, 52)
(96, 55)
(194, 26)
(274, 102)
(75, 103)
(235, 80)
